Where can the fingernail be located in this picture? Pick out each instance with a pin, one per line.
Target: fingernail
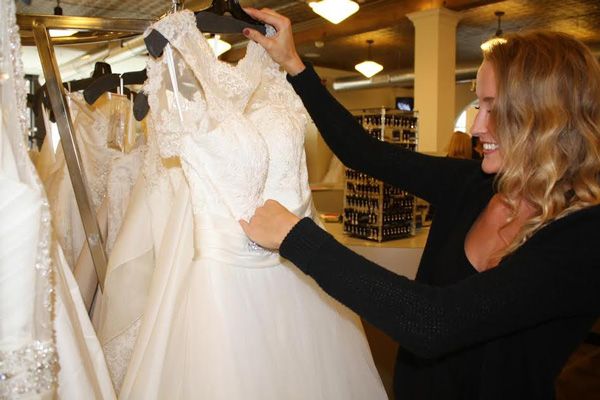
(246, 32)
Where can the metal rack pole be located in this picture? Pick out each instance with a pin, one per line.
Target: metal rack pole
(70, 149)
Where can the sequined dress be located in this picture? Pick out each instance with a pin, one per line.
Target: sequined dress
(48, 348)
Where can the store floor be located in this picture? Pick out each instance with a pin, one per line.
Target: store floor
(580, 379)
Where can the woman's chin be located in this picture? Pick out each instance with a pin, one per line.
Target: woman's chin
(490, 165)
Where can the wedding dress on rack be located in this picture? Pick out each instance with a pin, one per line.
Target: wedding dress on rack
(158, 195)
(46, 160)
(235, 321)
(28, 355)
(103, 132)
(48, 348)
(91, 125)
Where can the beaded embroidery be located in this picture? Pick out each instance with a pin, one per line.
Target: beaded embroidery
(32, 368)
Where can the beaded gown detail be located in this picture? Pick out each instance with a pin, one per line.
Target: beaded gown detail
(48, 348)
(237, 321)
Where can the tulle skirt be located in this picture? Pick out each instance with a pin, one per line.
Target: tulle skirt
(225, 323)
(237, 333)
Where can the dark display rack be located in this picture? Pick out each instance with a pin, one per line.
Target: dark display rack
(375, 210)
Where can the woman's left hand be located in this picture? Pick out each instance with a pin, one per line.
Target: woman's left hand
(270, 225)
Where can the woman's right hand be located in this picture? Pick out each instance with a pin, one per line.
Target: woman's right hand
(281, 46)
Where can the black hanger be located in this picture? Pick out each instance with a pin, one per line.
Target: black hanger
(101, 68)
(212, 20)
(40, 97)
(111, 82)
(140, 106)
(234, 9)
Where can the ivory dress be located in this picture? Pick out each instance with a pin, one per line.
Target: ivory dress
(48, 348)
(237, 322)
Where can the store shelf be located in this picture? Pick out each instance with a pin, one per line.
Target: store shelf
(375, 210)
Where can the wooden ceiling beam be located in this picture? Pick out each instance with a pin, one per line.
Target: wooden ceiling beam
(371, 17)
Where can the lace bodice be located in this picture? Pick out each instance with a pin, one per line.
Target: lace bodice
(94, 125)
(239, 130)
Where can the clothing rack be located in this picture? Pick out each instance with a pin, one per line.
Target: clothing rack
(101, 30)
(95, 30)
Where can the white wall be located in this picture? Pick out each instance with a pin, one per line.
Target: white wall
(465, 95)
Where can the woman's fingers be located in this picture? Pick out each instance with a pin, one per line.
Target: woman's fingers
(246, 227)
(257, 37)
(270, 224)
(280, 47)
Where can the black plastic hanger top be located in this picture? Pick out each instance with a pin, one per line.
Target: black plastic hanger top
(110, 82)
(101, 68)
(234, 8)
(212, 20)
(140, 106)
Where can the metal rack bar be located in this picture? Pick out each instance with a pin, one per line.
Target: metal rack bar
(70, 149)
(27, 22)
(92, 37)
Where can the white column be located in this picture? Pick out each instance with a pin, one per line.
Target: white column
(435, 65)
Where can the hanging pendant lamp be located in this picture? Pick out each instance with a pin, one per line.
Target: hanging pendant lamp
(497, 38)
(334, 11)
(369, 67)
(61, 32)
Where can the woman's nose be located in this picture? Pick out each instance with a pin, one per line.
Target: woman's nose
(479, 124)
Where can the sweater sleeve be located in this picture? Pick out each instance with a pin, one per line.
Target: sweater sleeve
(542, 281)
(431, 178)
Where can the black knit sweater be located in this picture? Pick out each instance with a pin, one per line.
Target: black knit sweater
(500, 334)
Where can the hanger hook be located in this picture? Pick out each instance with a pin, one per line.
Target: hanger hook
(177, 5)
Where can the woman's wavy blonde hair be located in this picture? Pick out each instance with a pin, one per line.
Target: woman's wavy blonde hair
(547, 122)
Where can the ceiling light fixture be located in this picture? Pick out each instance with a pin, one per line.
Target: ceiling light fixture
(497, 39)
(334, 11)
(218, 46)
(369, 68)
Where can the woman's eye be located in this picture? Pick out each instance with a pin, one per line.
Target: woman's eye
(476, 107)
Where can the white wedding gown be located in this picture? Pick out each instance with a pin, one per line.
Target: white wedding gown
(48, 348)
(91, 125)
(140, 242)
(236, 321)
(102, 132)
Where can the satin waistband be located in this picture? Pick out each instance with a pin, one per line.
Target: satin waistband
(222, 239)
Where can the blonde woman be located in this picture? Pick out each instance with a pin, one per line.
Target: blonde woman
(509, 282)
